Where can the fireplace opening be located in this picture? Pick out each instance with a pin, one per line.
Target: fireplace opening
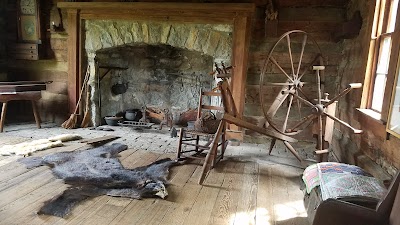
(158, 76)
(141, 63)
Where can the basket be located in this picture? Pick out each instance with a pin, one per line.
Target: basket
(207, 123)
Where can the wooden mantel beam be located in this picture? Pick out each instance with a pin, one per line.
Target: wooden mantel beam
(217, 8)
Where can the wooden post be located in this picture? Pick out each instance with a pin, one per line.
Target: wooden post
(241, 40)
(73, 58)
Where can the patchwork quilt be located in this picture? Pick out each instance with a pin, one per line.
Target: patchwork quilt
(339, 180)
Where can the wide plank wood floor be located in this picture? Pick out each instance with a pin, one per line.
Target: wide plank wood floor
(239, 190)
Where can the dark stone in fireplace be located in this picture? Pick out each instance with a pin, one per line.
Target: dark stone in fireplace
(157, 75)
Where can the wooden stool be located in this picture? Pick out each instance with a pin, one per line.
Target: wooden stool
(32, 96)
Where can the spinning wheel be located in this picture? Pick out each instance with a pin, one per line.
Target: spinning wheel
(294, 73)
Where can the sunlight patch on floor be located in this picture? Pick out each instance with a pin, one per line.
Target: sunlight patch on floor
(263, 216)
(260, 217)
(289, 210)
(282, 212)
(242, 218)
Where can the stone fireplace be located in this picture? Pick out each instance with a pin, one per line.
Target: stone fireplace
(178, 25)
(158, 64)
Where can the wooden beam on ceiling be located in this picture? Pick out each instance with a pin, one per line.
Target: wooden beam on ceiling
(312, 3)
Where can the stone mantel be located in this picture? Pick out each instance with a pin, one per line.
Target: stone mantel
(237, 14)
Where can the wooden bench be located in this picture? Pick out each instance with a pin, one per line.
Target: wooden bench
(32, 96)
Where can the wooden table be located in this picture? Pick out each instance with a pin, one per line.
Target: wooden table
(32, 96)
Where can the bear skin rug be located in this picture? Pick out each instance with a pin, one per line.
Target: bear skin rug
(96, 172)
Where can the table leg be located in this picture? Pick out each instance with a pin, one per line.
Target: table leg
(3, 116)
(36, 114)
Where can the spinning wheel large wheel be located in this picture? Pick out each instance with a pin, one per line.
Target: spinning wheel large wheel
(288, 69)
(293, 75)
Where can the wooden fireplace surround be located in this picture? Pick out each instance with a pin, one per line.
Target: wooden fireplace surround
(237, 14)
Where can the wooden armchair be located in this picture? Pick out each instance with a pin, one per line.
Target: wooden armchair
(338, 212)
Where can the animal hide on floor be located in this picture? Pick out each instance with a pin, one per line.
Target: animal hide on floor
(26, 148)
(97, 172)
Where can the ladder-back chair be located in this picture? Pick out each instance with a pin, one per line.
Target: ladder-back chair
(198, 144)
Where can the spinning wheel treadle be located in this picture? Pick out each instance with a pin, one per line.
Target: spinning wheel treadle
(294, 73)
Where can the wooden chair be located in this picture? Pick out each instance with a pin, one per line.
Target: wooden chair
(207, 147)
(338, 212)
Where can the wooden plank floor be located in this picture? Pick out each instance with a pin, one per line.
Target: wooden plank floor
(238, 191)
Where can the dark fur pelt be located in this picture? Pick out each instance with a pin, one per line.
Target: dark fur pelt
(97, 172)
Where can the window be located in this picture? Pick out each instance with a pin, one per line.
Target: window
(382, 33)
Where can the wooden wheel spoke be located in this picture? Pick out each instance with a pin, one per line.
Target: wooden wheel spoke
(304, 100)
(298, 104)
(303, 45)
(356, 131)
(272, 124)
(287, 113)
(341, 94)
(280, 68)
(277, 103)
(308, 66)
(290, 54)
(304, 120)
(300, 90)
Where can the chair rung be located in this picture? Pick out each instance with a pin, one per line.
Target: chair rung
(193, 139)
(198, 133)
(194, 157)
(200, 146)
(192, 150)
(212, 107)
(201, 157)
(211, 93)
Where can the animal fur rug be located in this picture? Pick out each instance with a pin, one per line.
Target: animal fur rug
(26, 148)
(97, 172)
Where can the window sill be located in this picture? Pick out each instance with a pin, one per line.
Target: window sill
(372, 114)
(371, 121)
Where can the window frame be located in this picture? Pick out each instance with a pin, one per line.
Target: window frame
(380, 19)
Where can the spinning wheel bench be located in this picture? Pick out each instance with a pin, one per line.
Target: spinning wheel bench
(17, 91)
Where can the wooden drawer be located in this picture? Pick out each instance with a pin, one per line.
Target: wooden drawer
(25, 46)
(25, 56)
(25, 51)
